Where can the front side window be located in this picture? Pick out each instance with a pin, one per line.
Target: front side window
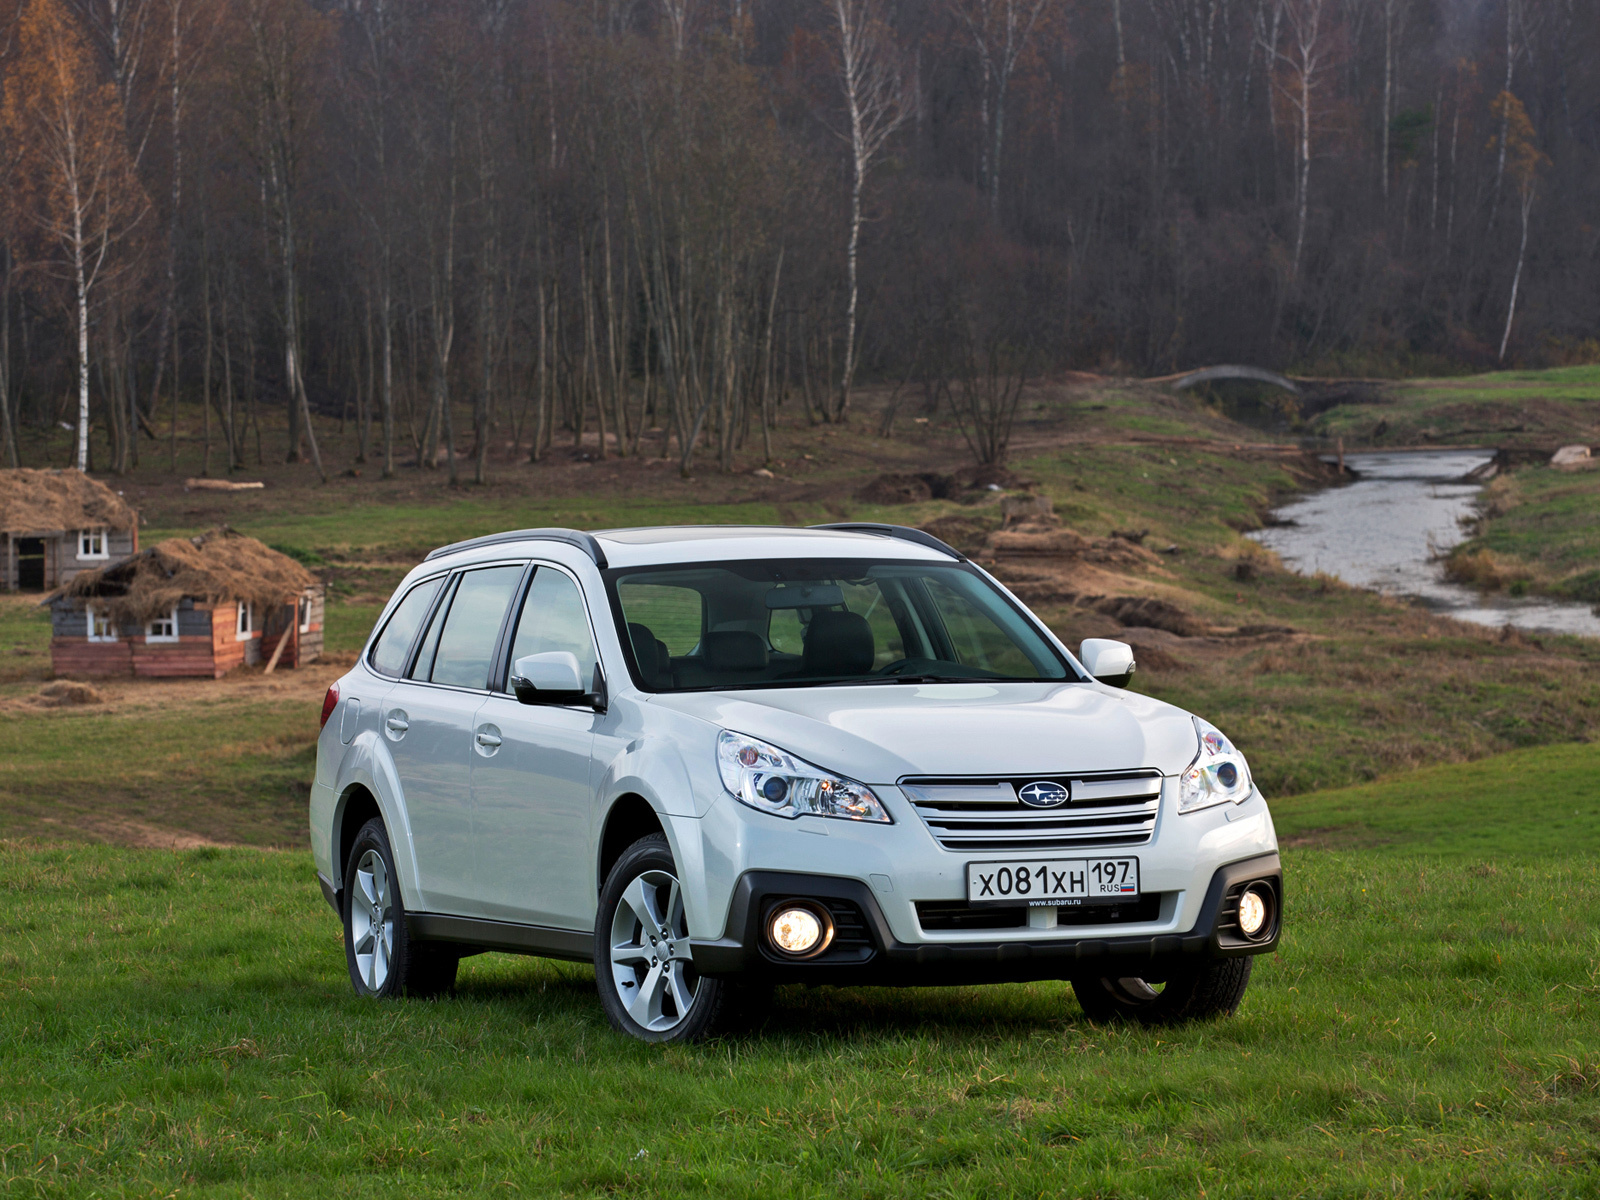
(305, 614)
(100, 627)
(460, 645)
(394, 643)
(92, 543)
(246, 621)
(808, 622)
(163, 628)
(553, 618)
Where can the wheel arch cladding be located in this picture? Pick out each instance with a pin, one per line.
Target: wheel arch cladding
(629, 819)
(358, 806)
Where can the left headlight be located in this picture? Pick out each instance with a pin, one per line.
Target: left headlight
(775, 781)
(1218, 774)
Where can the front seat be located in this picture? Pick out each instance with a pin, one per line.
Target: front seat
(652, 655)
(838, 643)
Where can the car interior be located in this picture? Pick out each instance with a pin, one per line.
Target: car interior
(776, 624)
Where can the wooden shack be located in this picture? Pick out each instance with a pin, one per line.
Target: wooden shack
(57, 524)
(189, 606)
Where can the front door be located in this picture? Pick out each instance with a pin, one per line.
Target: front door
(30, 564)
(428, 721)
(532, 791)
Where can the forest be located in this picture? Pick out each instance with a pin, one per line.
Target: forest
(648, 225)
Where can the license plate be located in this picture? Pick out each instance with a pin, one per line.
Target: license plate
(1052, 880)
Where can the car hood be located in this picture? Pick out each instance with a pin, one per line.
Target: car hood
(880, 733)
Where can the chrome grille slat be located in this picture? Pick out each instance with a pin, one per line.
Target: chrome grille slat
(986, 815)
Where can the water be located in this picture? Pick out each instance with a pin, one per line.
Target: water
(1386, 530)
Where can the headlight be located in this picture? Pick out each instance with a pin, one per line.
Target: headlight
(776, 782)
(1218, 774)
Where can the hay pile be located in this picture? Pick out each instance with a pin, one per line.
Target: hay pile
(33, 501)
(218, 565)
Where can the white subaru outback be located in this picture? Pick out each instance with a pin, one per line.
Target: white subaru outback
(714, 759)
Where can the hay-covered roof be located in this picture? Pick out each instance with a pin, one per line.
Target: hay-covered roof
(216, 566)
(34, 501)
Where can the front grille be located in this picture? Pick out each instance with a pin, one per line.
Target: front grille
(946, 916)
(985, 814)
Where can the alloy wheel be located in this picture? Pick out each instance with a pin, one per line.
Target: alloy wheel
(372, 921)
(651, 960)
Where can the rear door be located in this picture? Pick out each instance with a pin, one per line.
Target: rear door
(533, 796)
(428, 722)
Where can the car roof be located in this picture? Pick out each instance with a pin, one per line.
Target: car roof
(664, 544)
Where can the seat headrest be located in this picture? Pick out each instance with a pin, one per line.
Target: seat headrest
(735, 650)
(838, 643)
(651, 653)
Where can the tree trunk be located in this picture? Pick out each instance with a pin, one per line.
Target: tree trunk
(1516, 279)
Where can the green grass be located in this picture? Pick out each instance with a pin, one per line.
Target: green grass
(1498, 408)
(230, 768)
(1549, 522)
(180, 1023)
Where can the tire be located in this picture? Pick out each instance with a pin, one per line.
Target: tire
(382, 958)
(1190, 993)
(647, 982)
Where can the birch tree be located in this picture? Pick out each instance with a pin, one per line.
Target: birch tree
(1522, 158)
(999, 31)
(77, 181)
(1303, 60)
(878, 100)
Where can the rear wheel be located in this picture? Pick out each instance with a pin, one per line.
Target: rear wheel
(643, 964)
(1188, 993)
(382, 958)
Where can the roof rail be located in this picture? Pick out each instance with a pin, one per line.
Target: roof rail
(572, 537)
(904, 532)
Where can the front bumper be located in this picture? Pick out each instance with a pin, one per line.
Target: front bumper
(869, 953)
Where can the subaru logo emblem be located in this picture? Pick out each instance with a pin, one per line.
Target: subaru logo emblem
(1043, 794)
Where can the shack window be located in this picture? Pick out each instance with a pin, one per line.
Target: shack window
(163, 628)
(305, 614)
(101, 628)
(92, 543)
(247, 621)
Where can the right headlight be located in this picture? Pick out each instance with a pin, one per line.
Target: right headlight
(763, 776)
(1218, 774)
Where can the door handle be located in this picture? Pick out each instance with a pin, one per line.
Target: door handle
(488, 740)
(397, 724)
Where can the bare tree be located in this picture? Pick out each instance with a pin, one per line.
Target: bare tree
(1303, 62)
(282, 35)
(1000, 30)
(878, 101)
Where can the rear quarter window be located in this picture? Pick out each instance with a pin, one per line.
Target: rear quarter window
(394, 643)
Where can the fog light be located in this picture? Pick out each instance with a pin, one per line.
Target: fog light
(1254, 909)
(799, 931)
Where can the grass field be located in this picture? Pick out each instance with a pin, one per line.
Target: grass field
(178, 1023)
(1502, 408)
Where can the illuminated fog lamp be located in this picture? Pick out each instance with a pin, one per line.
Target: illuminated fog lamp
(798, 930)
(1254, 911)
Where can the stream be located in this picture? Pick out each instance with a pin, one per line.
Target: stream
(1386, 530)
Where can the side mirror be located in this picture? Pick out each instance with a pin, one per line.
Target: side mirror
(1108, 661)
(552, 678)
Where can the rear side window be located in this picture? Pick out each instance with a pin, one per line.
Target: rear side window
(389, 652)
(471, 627)
(553, 618)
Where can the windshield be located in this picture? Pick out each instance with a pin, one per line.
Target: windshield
(814, 622)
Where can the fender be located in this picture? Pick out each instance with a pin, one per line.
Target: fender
(366, 763)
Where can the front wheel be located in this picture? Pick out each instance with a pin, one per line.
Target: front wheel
(643, 963)
(382, 958)
(1186, 993)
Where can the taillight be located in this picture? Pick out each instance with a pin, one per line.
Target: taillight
(329, 703)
